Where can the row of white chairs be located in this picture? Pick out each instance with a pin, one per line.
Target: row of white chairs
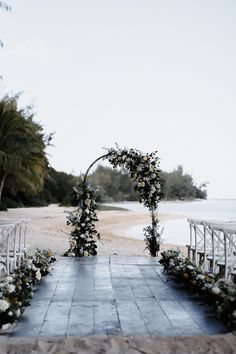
(213, 246)
(13, 246)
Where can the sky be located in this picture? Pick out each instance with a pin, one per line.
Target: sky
(146, 74)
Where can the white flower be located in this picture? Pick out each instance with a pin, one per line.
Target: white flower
(234, 313)
(200, 276)
(9, 279)
(190, 267)
(215, 290)
(87, 211)
(73, 243)
(6, 326)
(153, 190)
(82, 236)
(4, 305)
(18, 313)
(38, 275)
(10, 313)
(145, 158)
(10, 288)
(210, 275)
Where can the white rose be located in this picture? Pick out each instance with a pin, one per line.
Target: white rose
(18, 313)
(5, 326)
(10, 288)
(73, 242)
(38, 275)
(200, 276)
(8, 279)
(190, 267)
(4, 305)
(215, 290)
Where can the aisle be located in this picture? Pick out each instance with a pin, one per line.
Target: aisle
(113, 296)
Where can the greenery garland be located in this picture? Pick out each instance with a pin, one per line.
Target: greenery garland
(17, 289)
(219, 294)
(144, 171)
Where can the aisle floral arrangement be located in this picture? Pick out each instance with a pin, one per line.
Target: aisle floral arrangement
(17, 289)
(217, 293)
(82, 237)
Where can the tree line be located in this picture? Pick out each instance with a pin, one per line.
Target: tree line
(27, 179)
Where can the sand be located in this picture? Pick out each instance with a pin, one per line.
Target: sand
(120, 345)
(48, 229)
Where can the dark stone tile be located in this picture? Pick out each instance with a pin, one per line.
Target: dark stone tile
(113, 296)
(105, 318)
(131, 320)
(209, 324)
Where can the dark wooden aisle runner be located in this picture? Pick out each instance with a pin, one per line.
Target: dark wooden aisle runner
(113, 296)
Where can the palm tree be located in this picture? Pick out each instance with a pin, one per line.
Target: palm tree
(22, 148)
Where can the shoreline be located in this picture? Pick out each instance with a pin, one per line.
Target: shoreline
(48, 229)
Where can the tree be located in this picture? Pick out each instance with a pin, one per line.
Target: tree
(22, 148)
(177, 185)
(6, 7)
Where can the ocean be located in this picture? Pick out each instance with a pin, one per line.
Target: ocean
(176, 230)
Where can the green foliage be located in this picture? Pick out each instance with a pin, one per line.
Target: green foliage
(83, 222)
(219, 294)
(177, 185)
(23, 160)
(153, 236)
(113, 185)
(116, 185)
(17, 289)
(58, 187)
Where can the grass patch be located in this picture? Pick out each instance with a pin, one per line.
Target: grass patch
(104, 207)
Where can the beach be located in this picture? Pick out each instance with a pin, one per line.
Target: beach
(48, 229)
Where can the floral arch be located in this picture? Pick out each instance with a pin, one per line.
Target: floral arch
(144, 170)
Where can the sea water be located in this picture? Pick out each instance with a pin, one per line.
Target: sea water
(176, 230)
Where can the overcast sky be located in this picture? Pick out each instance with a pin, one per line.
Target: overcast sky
(148, 74)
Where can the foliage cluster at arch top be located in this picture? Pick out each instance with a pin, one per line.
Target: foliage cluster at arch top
(144, 171)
